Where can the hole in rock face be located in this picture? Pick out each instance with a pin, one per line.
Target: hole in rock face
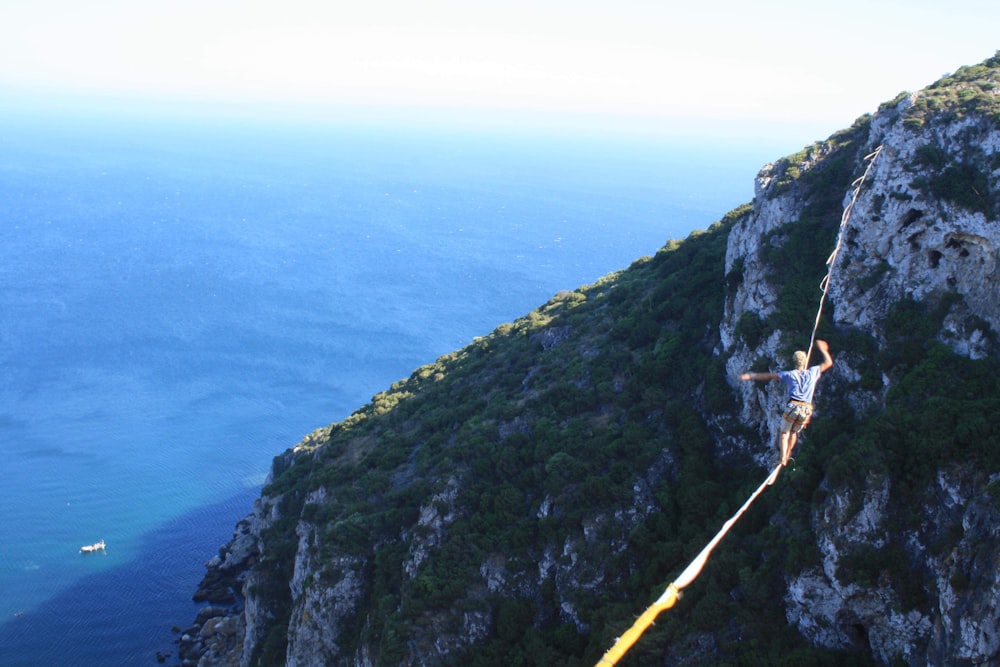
(914, 240)
(911, 216)
(856, 633)
(934, 257)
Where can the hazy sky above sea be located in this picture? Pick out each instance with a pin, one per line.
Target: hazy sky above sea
(719, 66)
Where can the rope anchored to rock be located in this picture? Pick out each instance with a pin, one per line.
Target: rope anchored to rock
(825, 283)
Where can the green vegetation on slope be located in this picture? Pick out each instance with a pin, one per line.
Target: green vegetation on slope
(973, 89)
(568, 408)
(565, 407)
(586, 435)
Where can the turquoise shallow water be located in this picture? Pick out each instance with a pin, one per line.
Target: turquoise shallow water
(180, 302)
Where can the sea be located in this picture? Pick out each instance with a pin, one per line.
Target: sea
(184, 298)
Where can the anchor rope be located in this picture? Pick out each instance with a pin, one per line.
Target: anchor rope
(824, 284)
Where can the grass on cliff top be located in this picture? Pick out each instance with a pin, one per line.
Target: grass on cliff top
(973, 89)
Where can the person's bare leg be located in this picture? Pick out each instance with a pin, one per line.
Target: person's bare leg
(793, 438)
(785, 451)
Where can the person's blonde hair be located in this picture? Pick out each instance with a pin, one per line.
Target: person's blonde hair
(800, 360)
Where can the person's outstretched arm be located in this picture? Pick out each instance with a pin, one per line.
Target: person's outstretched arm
(824, 350)
(759, 376)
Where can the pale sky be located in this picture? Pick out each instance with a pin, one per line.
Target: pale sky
(813, 63)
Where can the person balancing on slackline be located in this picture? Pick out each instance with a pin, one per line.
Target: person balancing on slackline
(800, 383)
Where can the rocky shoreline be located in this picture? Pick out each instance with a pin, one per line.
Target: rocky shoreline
(215, 638)
(212, 639)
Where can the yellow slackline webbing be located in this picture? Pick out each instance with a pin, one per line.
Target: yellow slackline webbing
(672, 592)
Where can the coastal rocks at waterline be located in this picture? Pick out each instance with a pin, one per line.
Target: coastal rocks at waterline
(213, 640)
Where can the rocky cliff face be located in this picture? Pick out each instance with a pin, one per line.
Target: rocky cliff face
(387, 540)
(924, 228)
(907, 241)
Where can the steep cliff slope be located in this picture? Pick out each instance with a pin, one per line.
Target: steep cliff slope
(519, 501)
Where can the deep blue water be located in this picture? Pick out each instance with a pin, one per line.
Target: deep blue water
(182, 301)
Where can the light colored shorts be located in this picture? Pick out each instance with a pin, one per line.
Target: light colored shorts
(796, 416)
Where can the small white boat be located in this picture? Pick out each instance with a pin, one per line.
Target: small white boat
(90, 548)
